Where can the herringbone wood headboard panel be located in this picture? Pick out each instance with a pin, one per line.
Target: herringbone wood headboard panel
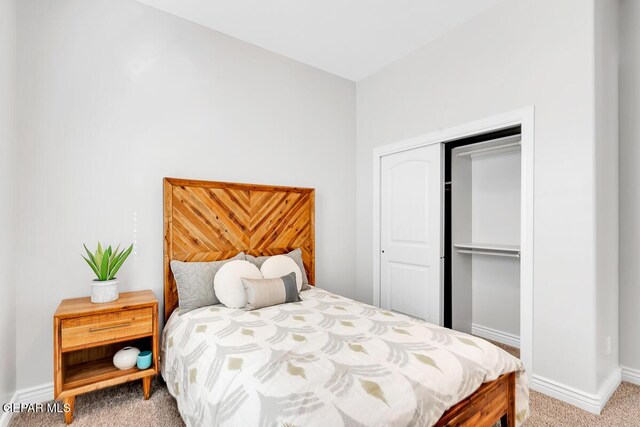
(210, 221)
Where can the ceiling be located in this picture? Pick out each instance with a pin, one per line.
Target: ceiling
(349, 38)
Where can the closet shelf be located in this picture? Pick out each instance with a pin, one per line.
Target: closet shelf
(505, 148)
(488, 249)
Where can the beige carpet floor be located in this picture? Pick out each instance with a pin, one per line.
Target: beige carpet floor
(124, 406)
(121, 405)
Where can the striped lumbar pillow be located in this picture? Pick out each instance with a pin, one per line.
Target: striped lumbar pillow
(267, 292)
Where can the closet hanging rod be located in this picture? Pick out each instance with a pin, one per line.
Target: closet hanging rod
(495, 247)
(472, 252)
(487, 150)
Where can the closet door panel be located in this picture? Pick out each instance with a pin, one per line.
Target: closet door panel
(411, 233)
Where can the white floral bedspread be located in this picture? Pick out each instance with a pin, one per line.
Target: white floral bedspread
(326, 360)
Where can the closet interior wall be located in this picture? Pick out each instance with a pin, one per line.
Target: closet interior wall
(482, 209)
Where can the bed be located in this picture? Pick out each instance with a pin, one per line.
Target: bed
(326, 360)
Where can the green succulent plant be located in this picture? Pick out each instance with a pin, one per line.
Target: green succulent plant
(106, 263)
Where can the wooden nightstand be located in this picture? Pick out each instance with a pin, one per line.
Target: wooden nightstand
(87, 335)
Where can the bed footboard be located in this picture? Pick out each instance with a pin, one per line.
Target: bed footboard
(492, 402)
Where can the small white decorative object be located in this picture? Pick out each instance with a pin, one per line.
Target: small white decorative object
(227, 283)
(126, 358)
(105, 291)
(280, 265)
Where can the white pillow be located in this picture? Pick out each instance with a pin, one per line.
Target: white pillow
(227, 283)
(281, 265)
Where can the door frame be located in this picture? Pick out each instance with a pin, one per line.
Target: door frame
(524, 117)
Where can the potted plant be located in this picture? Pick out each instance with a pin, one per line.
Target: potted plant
(105, 264)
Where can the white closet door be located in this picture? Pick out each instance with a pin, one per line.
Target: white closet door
(410, 235)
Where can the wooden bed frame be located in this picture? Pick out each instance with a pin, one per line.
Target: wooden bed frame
(209, 221)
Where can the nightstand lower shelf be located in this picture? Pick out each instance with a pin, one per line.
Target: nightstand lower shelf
(98, 374)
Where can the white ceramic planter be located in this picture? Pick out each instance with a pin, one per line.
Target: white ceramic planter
(106, 291)
(126, 358)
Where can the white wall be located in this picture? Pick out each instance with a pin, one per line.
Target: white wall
(116, 95)
(629, 184)
(606, 180)
(7, 198)
(520, 53)
(495, 216)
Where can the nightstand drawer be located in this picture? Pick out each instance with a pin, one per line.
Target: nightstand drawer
(105, 327)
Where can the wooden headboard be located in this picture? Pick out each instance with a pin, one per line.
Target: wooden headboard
(210, 221)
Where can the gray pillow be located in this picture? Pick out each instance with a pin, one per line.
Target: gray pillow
(295, 255)
(267, 292)
(195, 282)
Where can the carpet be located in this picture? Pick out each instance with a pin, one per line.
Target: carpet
(121, 405)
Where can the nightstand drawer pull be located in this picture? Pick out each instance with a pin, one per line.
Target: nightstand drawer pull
(104, 328)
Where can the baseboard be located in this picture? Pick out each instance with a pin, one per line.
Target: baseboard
(37, 394)
(609, 387)
(5, 418)
(593, 403)
(495, 335)
(631, 375)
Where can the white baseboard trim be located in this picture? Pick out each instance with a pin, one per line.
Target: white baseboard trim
(609, 387)
(495, 335)
(630, 375)
(37, 394)
(593, 403)
(5, 418)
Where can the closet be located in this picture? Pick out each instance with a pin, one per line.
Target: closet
(453, 228)
(482, 196)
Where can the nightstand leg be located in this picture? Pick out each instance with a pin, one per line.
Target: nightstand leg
(146, 387)
(68, 416)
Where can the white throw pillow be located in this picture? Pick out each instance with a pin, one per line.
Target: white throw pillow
(227, 283)
(281, 265)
